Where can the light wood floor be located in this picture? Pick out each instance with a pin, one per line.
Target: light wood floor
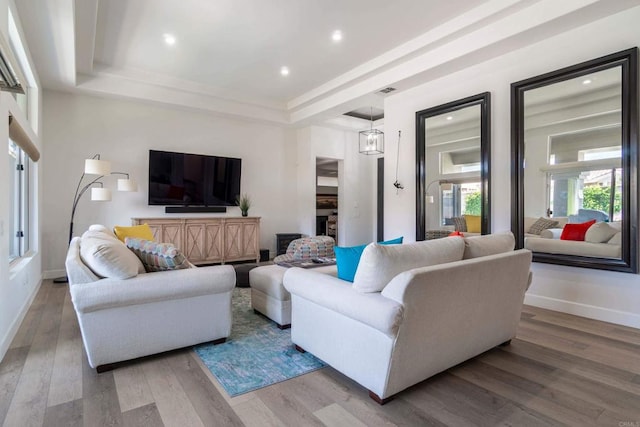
(561, 370)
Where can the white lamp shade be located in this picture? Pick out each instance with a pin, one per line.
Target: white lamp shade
(97, 167)
(127, 185)
(100, 194)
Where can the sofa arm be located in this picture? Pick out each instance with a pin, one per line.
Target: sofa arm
(338, 295)
(551, 233)
(153, 287)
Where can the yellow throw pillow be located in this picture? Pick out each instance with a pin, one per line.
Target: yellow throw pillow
(137, 231)
(473, 223)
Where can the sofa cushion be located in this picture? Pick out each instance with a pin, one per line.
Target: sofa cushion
(600, 232)
(157, 256)
(576, 231)
(347, 258)
(103, 229)
(474, 223)
(381, 263)
(138, 231)
(542, 224)
(489, 244)
(616, 239)
(106, 256)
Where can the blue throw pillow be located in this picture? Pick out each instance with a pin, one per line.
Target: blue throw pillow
(347, 258)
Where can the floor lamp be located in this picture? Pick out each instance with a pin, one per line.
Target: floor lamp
(101, 168)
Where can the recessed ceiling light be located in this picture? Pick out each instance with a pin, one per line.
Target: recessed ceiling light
(449, 117)
(336, 36)
(586, 82)
(284, 71)
(169, 39)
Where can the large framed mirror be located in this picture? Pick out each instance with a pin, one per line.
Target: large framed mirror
(574, 141)
(453, 150)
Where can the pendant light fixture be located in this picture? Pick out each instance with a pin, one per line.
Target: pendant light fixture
(372, 140)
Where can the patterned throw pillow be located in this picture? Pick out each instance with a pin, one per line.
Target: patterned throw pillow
(542, 224)
(460, 223)
(157, 256)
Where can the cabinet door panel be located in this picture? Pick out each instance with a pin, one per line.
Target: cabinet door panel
(233, 240)
(194, 247)
(213, 242)
(172, 233)
(250, 240)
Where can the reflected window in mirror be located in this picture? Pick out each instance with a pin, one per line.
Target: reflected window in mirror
(452, 152)
(574, 143)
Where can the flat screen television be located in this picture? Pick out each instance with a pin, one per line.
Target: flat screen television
(181, 179)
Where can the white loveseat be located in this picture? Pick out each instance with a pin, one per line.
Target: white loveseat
(425, 319)
(122, 319)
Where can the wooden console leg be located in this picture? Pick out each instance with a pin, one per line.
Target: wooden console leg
(506, 343)
(300, 349)
(378, 399)
(219, 341)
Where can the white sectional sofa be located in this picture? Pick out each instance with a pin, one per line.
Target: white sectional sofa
(122, 319)
(413, 310)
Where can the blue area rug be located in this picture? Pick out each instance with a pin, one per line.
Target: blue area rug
(257, 353)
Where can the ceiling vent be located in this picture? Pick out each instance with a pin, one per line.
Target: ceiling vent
(386, 90)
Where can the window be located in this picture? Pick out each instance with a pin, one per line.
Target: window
(583, 172)
(599, 190)
(460, 199)
(19, 202)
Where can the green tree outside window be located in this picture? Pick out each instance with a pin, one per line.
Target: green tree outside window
(596, 197)
(472, 204)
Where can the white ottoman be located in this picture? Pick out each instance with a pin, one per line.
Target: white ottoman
(269, 297)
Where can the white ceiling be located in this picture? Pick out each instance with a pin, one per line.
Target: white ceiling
(228, 53)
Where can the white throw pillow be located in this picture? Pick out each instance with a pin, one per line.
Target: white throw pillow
(101, 228)
(381, 263)
(107, 256)
(489, 244)
(600, 232)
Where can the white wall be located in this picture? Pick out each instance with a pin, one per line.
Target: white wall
(20, 281)
(356, 177)
(604, 295)
(77, 127)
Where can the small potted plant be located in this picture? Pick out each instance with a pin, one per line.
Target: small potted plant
(244, 203)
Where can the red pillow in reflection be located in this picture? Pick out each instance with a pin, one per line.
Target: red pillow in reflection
(576, 231)
(456, 233)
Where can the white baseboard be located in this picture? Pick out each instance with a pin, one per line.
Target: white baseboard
(52, 274)
(590, 311)
(11, 333)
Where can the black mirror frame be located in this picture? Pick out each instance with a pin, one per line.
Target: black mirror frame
(484, 100)
(628, 60)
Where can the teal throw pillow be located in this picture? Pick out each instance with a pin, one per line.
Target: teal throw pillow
(347, 258)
